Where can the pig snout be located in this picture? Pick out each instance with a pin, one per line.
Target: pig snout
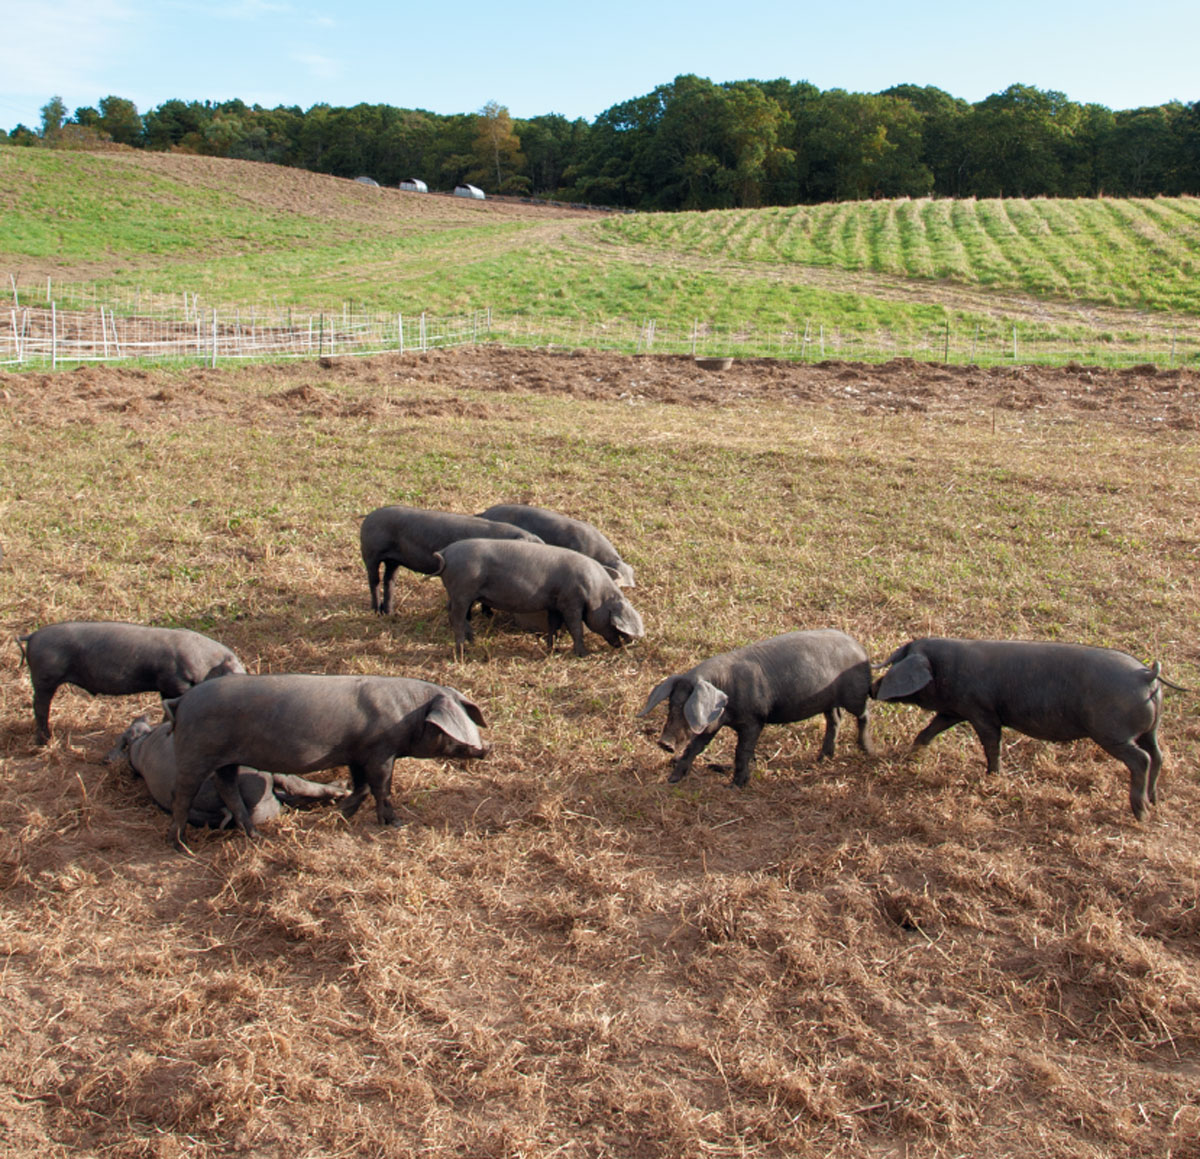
(675, 734)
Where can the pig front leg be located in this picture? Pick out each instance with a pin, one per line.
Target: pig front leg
(358, 793)
(573, 618)
(936, 727)
(988, 731)
(829, 744)
(683, 764)
(554, 623)
(379, 777)
(743, 757)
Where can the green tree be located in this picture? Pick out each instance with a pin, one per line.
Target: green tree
(551, 145)
(120, 120)
(859, 146)
(498, 150)
(942, 116)
(54, 112)
(752, 124)
(1016, 142)
(176, 124)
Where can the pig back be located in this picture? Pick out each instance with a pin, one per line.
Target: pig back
(1047, 690)
(296, 723)
(795, 675)
(411, 535)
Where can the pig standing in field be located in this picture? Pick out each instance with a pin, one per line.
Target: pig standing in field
(529, 578)
(1055, 692)
(148, 751)
(299, 724)
(563, 531)
(408, 537)
(117, 659)
(777, 681)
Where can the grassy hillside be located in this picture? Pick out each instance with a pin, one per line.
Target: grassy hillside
(1083, 274)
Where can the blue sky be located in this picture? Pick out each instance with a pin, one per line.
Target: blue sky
(579, 59)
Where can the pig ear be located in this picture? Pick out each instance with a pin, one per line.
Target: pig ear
(473, 711)
(659, 694)
(624, 575)
(626, 619)
(169, 707)
(905, 678)
(704, 706)
(451, 717)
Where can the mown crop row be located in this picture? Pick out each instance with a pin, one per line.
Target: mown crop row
(1130, 253)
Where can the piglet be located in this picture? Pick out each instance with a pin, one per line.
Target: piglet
(148, 751)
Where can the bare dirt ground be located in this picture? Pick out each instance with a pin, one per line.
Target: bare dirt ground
(1145, 396)
(558, 955)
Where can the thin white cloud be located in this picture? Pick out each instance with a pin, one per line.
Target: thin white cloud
(67, 48)
(319, 66)
(249, 10)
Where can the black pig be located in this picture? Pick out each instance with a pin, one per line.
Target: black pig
(1055, 692)
(777, 681)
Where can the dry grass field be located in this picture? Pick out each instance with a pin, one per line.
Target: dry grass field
(559, 954)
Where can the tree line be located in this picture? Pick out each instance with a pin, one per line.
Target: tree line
(693, 144)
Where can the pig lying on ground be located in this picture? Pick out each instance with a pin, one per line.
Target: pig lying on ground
(117, 659)
(300, 724)
(409, 537)
(148, 751)
(530, 578)
(563, 531)
(1055, 692)
(777, 681)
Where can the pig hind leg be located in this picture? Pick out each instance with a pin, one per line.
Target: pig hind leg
(1148, 742)
(829, 743)
(389, 580)
(43, 694)
(226, 781)
(1139, 762)
(864, 732)
(460, 622)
